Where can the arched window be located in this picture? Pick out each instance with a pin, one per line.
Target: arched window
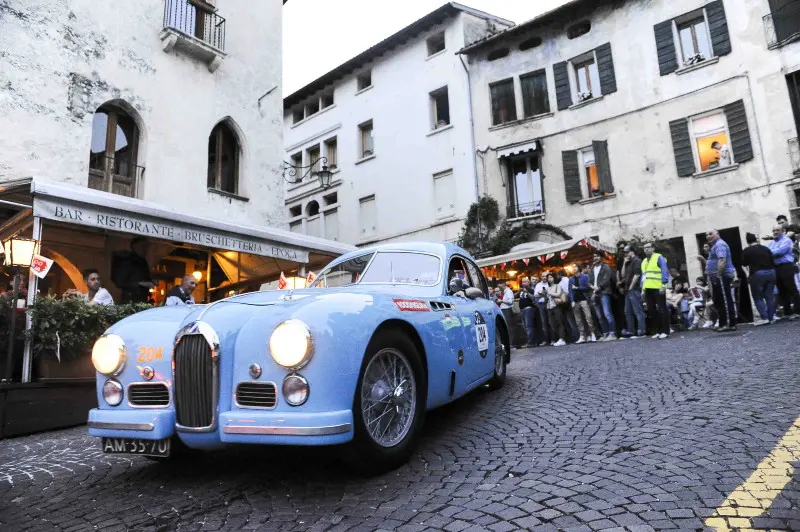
(223, 159)
(113, 152)
(312, 209)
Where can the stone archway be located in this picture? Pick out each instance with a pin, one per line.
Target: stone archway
(72, 271)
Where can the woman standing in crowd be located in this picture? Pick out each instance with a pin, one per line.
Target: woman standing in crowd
(556, 301)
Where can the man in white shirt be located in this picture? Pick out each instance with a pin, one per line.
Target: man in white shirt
(506, 306)
(182, 295)
(540, 294)
(96, 295)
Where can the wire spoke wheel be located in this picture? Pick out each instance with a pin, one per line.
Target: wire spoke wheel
(388, 397)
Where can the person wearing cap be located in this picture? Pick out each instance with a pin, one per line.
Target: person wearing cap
(760, 266)
(630, 283)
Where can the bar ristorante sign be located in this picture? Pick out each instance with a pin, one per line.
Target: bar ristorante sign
(142, 225)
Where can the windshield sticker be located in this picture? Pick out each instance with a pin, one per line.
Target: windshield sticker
(411, 305)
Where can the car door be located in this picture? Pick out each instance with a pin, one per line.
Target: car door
(480, 335)
(473, 317)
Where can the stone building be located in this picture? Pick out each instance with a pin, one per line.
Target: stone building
(599, 118)
(394, 125)
(164, 112)
(159, 119)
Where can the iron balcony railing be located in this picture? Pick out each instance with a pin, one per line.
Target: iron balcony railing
(186, 17)
(115, 174)
(782, 26)
(520, 210)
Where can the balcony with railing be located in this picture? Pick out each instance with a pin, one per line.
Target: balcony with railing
(118, 175)
(194, 28)
(525, 210)
(782, 26)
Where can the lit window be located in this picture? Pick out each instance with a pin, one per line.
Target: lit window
(590, 171)
(587, 80)
(710, 134)
(694, 40)
(440, 104)
(367, 140)
(436, 44)
(504, 106)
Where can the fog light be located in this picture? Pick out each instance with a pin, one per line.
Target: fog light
(148, 373)
(255, 370)
(112, 392)
(295, 389)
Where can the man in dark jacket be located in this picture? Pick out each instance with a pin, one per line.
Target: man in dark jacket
(601, 280)
(131, 272)
(632, 288)
(527, 307)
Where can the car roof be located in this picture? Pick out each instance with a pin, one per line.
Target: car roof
(442, 249)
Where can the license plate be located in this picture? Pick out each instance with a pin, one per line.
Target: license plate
(482, 334)
(136, 446)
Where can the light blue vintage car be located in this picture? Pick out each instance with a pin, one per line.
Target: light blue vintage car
(381, 336)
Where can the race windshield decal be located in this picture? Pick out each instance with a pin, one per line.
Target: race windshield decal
(411, 305)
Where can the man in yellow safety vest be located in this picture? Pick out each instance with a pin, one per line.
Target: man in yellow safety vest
(655, 277)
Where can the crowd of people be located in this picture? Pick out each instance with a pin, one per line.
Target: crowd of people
(643, 296)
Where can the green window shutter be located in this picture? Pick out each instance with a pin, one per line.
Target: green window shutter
(600, 148)
(740, 134)
(572, 176)
(682, 146)
(665, 46)
(605, 67)
(718, 28)
(563, 92)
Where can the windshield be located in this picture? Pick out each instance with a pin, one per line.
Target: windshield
(404, 268)
(344, 273)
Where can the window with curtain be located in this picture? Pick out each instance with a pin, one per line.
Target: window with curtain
(587, 79)
(695, 40)
(528, 190)
(535, 100)
(504, 106)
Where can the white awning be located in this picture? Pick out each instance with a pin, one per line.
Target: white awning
(566, 245)
(516, 149)
(111, 212)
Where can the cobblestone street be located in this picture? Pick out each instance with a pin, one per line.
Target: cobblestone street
(637, 434)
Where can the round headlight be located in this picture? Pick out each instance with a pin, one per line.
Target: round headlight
(295, 389)
(291, 344)
(108, 354)
(112, 392)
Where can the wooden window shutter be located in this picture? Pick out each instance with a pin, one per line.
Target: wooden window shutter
(563, 92)
(665, 46)
(600, 148)
(605, 65)
(572, 177)
(718, 28)
(682, 146)
(740, 133)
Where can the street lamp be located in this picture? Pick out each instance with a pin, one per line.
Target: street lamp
(291, 171)
(18, 254)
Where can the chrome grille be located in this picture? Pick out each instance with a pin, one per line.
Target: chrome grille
(148, 394)
(256, 394)
(194, 382)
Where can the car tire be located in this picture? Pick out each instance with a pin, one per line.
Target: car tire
(365, 453)
(499, 378)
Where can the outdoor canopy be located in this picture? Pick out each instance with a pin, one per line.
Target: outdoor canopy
(577, 250)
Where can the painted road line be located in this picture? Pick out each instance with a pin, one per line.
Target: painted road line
(755, 495)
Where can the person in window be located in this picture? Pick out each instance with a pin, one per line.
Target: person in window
(131, 272)
(96, 294)
(182, 295)
(723, 154)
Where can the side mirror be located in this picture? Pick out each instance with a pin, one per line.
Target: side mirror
(473, 293)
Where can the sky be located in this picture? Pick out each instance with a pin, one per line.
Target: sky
(319, 35)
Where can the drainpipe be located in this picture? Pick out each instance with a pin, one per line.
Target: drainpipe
(471, 131)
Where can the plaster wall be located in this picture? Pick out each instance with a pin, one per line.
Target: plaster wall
(62, 59)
